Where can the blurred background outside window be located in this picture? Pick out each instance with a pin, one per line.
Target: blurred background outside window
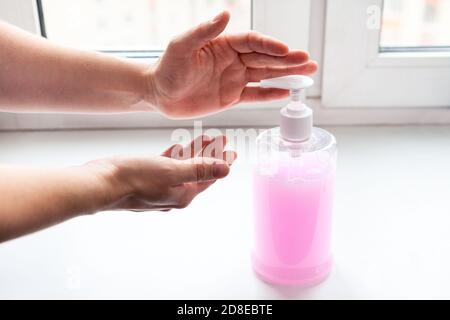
(415, 23)
(150, 24)
(134, 24)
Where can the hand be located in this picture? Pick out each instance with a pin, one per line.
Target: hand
(171, 180)
(202, 73)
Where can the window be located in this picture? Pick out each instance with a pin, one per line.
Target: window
(415, 24)
(380, 62)
(376, 57)
(133, 24)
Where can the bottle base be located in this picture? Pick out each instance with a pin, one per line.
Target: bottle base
(288, 276)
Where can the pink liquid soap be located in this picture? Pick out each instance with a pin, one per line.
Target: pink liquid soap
(293, 208)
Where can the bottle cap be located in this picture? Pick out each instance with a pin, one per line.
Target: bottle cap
(296, 119)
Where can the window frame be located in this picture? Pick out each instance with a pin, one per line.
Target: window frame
(344, 115)
(313, 31)
(374, 77)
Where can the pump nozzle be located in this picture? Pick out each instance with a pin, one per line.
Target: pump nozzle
(296, 118)
(294, 83)
(288, 82)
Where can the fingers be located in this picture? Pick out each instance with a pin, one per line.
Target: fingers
(258, 74)
(196, 146)
(199, 169)
(173, 151)
(204, 159)
(215, 148)
(184, 193)
(200, 35)
(260, 60)
(255, 42)
(229, 157)
(201, 146)
(188, 191)
(262, 94)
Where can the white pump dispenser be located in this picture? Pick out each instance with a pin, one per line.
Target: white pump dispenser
(296, 120)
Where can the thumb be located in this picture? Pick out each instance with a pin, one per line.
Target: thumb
(197, 37)
(200, 169)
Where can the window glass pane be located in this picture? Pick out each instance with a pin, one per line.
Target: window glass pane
(415, 23)
(133, 24)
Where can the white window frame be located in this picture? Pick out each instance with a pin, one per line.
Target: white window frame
(341, 95)
(356, 74)
(303, 24)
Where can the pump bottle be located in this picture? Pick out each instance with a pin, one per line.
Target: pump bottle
(293, 194)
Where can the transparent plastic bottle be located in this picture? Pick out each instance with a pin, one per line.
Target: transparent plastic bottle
(293, 197)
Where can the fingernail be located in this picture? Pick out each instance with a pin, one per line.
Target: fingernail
(220, 170)
(312, 66)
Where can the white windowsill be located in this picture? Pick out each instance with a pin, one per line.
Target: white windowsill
(391, 223)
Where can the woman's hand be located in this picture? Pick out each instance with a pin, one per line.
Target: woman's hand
(169, 181)
(202, 73)
(51, 196)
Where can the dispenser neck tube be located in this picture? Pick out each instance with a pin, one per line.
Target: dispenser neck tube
(295, 94)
